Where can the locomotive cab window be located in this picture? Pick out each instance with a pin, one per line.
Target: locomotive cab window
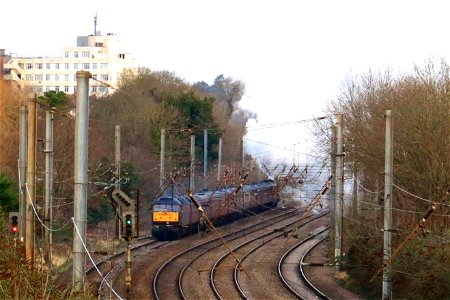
(167, 204)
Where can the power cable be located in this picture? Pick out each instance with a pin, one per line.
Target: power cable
(92, 260)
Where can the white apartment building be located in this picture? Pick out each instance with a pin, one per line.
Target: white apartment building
(98, 54)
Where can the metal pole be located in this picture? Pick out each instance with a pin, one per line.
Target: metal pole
(80, 178)
(387, 234)
(128, 276)
(219, 162)
(339, 189)
(48, 182)
(161, 162)
(205, 156)
(191, 178)
(31, 181)
(23, 170)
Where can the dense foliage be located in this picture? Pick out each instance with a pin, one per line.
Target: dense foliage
(9, 197)
(420, 105)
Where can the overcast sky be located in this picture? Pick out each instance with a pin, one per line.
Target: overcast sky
(292, 55)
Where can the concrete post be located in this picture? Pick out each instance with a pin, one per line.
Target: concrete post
(80, 178)
(205, 156)
(192, 174)
(339, 189)
(23, 170)
(219, 162)
(387, 234)
(161, 162)
(117, 155)
(48, 195)
(117, 175)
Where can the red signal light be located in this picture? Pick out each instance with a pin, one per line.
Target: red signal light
(14, 224)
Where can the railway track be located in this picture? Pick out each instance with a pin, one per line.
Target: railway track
(223, 287)
(291, 271)
(168, 281)
(104, 271)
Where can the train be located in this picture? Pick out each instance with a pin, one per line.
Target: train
(175, 216)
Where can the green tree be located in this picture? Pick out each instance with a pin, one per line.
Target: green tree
(53, 99)
(8, 196)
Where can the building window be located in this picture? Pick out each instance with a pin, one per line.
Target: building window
(75, 54)
(47, 88)
(94, 66)
(85, 54)
(66, 66)
(29, 77)
(66, 54)
(104, 66)
(56, 77)
(104, 77)
(47, 66)
(85, 66)
(75, 89)
(57, 66)
(57, 89)
(103, 89)
(29, 66)
(74, 77)
(38, 89)
(66, 77)
(94, 89)
(66, 89)
(38, 66)
(38, 77)
(94, 76)
(75, 66)
(47, 77)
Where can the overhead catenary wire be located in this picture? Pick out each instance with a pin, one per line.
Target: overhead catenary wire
(417, 197)
(37, 215)
(273, 125)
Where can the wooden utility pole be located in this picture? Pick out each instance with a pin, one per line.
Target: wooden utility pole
(339, 189)
(31, 181)
(387, 228)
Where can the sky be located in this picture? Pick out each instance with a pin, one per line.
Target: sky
(293, 56)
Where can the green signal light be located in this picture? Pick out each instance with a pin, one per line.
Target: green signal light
(128, 220)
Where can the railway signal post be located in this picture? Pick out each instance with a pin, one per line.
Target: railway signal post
(14, 218)
(129, 220)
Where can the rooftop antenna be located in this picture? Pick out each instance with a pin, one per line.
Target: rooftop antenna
(95, 24)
